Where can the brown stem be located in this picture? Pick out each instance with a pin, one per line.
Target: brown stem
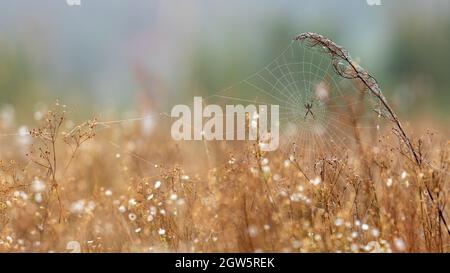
(338, 53)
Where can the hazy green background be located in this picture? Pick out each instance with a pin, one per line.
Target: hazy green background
(116, 54)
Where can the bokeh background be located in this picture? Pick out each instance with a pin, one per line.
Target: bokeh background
(120, 56)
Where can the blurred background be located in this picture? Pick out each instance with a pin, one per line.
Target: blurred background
(115, 55)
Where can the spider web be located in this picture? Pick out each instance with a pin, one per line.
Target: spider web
(321, 113)
(340, 118)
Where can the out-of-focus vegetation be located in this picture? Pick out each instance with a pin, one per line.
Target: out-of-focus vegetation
(418, 67)
(19, 82)
(87, 62)
(120, 183)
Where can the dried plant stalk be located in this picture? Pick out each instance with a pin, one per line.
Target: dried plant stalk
(345, 67)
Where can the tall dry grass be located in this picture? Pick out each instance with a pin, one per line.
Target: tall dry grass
(110, 187)
(117, 190)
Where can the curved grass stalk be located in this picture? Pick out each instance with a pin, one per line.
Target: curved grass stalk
(345, 67)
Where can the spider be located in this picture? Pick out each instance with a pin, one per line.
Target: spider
(308, 107)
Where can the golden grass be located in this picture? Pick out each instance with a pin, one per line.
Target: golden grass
(93, 188)
(116, 187)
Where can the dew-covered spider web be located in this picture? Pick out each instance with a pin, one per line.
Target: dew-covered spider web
(321, 113)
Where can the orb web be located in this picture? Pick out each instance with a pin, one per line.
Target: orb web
(321, 113)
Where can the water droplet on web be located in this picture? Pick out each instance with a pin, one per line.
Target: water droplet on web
(73, 247)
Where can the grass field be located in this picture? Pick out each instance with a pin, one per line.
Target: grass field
(117, 190)
(109, 186)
